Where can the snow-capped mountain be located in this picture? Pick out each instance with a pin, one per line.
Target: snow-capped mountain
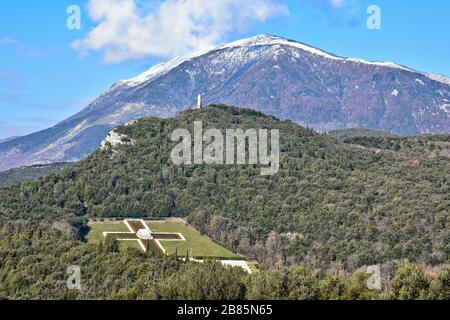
(277, 76)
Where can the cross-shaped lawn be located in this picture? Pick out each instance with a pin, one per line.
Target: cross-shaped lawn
(147, 239)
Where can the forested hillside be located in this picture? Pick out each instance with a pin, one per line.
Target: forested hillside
(333, 205)
(430, 146)
(34, 262)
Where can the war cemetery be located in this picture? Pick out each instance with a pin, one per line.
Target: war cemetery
(173, 237)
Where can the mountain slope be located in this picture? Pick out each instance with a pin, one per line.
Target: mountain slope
(276, 76)
(330, 203)
(19, 175)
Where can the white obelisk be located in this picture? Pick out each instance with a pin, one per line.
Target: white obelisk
(199, 102)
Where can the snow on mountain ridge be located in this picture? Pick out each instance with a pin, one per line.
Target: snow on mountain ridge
(165, 67)
(439, 78)
(259, 40)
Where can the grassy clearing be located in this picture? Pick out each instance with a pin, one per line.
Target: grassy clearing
(196, 244)
(95, 235)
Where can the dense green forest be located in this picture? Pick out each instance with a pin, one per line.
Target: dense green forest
(343, 134)
(19, 175)
(34, 263)
(430, 146)
(337, 204)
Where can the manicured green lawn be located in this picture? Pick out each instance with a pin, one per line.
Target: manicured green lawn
(97, 228)
(196, 244)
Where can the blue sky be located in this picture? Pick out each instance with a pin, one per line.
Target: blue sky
(48, 72)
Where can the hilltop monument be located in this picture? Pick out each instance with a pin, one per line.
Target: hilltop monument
(199, 102)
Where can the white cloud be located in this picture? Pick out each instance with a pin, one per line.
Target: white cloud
(132, 29)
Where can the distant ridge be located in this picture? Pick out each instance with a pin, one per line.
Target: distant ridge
(18, 175)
